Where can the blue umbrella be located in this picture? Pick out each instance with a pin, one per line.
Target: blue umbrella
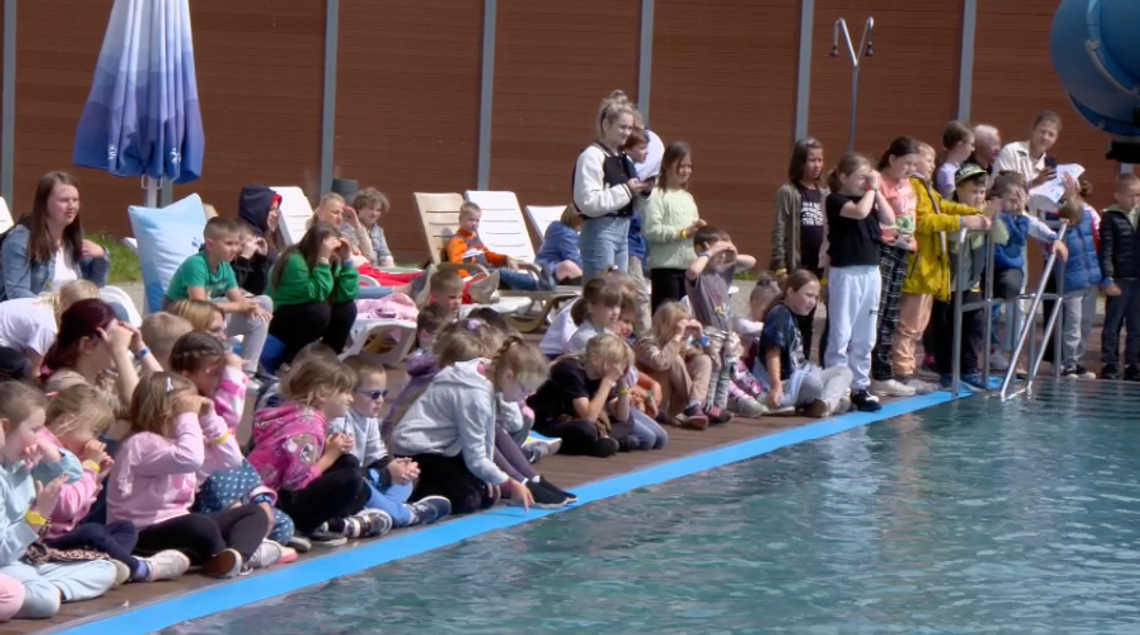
(142, 116)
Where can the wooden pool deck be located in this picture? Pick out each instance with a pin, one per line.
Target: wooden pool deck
(568, 472)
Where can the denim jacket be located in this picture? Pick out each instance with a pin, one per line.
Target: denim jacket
(24, 279)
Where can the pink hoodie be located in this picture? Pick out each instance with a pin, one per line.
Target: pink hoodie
(154, 478)
(224, 453)
(288, 442)
(76, 498)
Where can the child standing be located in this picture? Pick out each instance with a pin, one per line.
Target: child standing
(317, 479)
(390, 480)
(465, 247)
(27, 509)
(671, 220)
(76, 417)
(898, 163)
(1082, 282)
(958, 145)
(449, 431)
(801, 226)
(794, 381)
(1120, 264)
(855, 210)
(706, 285)
(208, 275)
(154, 479)
(636, 150)
(559, 257)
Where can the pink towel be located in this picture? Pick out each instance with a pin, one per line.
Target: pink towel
(395, 307)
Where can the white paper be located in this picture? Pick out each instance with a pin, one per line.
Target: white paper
(1047, 196)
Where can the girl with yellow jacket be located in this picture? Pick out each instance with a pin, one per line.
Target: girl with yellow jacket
(929, 274)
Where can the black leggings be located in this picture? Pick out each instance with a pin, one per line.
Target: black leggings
(117, 540)
(203, 536)
(942, 320)
(339, 492)
(668, 286)
(581, 438)
(449, 477)
(298, 325)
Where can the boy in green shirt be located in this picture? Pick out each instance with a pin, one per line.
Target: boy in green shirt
(208, 275)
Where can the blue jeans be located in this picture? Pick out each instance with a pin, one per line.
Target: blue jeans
(516, 280)
(649, 433)
(391, 499)
(604, 243)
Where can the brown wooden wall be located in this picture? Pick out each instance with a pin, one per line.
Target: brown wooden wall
(724, 79)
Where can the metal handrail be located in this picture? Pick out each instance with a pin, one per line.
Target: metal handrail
(1031, 323)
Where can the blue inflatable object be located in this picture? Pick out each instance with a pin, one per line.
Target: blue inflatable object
(1096, 55)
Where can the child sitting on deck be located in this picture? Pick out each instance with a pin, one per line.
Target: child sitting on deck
(317, 479)
(559, 257)
(586, 401)
(668, 355)
(793, 380)
(450, 429)
(594, 314)
(160, 331)
(176, 434)
(390, 480)
(706, 285)
(27, 508)
(76, 417)
(465, 247)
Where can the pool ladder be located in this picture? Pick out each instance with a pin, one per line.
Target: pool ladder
(1026, 331)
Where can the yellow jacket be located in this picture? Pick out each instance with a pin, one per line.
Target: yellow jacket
(929, 272)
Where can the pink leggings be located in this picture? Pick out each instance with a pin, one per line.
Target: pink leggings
(11, 597)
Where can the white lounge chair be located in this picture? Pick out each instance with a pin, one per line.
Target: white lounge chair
(541, 217)
(295, 212)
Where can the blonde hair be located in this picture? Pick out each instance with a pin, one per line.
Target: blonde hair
(612, 109)
(364, 368)
(79, 407)
(199, 313)
(608, 350)
(331, 197)
(18, 402)
(927, 149)
(665, 321)
(318, 378)
(152, 405)
(160, 331)
(525, 361)
(67, 295)
(464, 340)
(571, 218)
(307, 353)
(468, 208)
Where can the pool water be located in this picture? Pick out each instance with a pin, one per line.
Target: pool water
(972, 517)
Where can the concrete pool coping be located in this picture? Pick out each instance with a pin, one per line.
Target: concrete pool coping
(215, 598)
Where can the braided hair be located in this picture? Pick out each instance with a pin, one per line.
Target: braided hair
(526, 361)
(194, 351)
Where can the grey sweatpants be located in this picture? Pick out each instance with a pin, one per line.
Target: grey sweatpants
(830, 385)
(46, 585)
(1077, 313)
(253, 332)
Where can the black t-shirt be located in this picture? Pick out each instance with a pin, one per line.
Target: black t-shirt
(555, 399)
(811, 228)
(851, 242)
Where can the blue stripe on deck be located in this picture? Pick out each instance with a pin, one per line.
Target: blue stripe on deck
(216, 598)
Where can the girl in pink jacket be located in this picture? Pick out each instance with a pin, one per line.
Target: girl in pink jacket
(152, 485)
(76, 416)
(319, 482)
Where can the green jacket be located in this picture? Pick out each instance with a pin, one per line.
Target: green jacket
(300, 285)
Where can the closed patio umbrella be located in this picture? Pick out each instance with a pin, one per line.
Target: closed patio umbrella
(142, 116)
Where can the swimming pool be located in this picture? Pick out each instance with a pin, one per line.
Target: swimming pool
(971, 517)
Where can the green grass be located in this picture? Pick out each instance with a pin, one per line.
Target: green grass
(124, 263)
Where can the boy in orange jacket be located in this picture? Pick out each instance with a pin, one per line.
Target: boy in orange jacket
(465, 247)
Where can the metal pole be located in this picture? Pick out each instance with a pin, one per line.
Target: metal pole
(1024, 332)
(167, 192)
(8, 125)
(645, 59)
(966, 64)
(328, 105)
(988, 325)
(956, 352)
(486, 95)
(803, 74)
(865, 48)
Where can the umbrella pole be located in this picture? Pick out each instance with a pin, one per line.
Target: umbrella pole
(151, 186)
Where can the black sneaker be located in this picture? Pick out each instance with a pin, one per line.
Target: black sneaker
(544, 497)
(1110, 371)
(865, 401)
(570, 496)
(604, 448)
(1070, 371)
(1132, 373)
(322, 537)
(429, 509)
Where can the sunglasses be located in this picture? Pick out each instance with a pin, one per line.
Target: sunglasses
(374, 395)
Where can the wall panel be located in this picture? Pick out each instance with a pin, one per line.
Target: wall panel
(724, 80)
(408, 103)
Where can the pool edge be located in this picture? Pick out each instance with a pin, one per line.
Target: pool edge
(152, 617)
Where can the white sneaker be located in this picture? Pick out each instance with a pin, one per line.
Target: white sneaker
(999, 361)
(267, 555)
(122, 572)
(920, 387)
(891, 388)
(844, 405)
(166, 565)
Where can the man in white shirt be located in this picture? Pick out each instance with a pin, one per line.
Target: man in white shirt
(1028, 158)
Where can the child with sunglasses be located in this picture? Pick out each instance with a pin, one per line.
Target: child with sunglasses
(390, 480)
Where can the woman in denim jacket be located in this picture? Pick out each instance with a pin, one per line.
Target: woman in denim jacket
(46, 247)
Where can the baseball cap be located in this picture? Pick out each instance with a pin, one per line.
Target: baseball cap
(968, 171)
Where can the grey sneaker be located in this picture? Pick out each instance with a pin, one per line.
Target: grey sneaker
(429, 509)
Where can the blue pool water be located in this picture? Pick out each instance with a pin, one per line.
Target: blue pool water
(972, 517)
